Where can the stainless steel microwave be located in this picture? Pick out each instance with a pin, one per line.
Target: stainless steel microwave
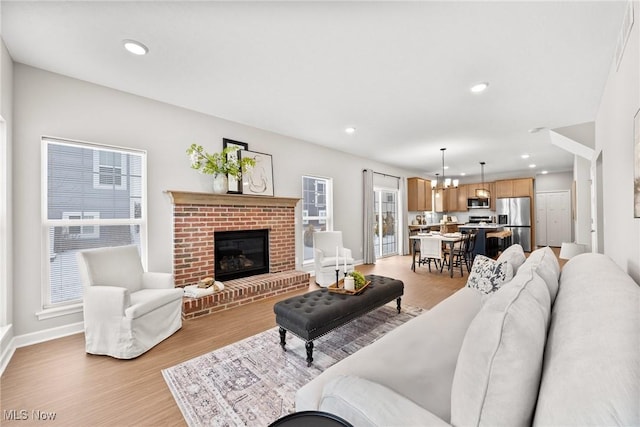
(477, 203)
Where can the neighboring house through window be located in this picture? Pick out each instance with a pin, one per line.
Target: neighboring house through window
(317, 210)
(95, 197)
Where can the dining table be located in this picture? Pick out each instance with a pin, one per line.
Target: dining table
(449, 239)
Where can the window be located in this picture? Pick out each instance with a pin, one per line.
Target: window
(95, 197)
(108, 170)
(316, 211)
(84, 231)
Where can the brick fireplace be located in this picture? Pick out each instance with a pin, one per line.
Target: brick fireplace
(197, 216)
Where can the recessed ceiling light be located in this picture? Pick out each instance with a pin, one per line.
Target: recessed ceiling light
(350, 130)
(532, 165)
(446, 167)
(479, 87)
(525, 156)
(463, 174)
(544, 172)
(135, 47)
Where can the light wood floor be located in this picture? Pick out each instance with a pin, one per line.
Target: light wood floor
(86, 390)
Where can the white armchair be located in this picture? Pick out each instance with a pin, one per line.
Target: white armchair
(126, 310)
(324, 256)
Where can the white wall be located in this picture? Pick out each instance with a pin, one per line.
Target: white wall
(582, 222)
(554, 181)
(614, 136)
(50, 104)
(6, 111)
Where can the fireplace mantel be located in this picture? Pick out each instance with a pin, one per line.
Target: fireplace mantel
(210, 199)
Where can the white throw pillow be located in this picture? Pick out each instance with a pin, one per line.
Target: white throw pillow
(546, 265)
(514, 255)
(499, 366)
(488, 275)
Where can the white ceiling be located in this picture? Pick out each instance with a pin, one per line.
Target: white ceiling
(399, 72)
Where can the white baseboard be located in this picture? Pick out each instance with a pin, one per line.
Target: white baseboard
(37, 337)
(6, 346)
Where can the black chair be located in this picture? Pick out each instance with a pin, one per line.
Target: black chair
(456, 257)
(470, 255)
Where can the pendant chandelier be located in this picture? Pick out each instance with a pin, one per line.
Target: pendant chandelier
(482, 193)
(445, 182)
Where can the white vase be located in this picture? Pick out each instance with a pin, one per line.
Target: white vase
(220, 184)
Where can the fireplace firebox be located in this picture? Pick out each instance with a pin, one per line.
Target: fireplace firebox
(240, 253)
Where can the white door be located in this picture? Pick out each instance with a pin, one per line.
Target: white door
(558, 218)
(553, 218)
(541, 219)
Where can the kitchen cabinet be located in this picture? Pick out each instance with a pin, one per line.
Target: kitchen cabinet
(418, 194)
(462, 198)
(441, 200)
(522, 187)
(452, 199)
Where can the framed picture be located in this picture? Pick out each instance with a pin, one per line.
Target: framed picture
(636, 165)
(234, 184)
(259, 179)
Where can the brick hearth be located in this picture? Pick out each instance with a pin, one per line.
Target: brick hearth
(197, 216)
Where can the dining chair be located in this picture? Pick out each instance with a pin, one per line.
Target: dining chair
(456, 256)
(430, 250)
(470, 256)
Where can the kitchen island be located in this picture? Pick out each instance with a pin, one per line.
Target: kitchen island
(482, 247)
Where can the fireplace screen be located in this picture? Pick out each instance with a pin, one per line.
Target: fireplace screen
(241, 253)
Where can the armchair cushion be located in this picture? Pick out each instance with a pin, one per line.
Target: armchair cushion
(146, 300)
(152, 280)
(115, 266)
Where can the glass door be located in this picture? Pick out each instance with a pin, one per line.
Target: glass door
(386, 235)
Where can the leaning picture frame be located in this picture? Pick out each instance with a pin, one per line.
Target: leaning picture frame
(258, 180)
(235, 186)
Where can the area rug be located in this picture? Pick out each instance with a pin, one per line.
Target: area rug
(253, 382)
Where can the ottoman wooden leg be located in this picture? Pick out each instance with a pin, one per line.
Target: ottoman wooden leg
(398, 303)
(309, 347)
(283, 333)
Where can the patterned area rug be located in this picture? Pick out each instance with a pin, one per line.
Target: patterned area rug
(253, 382)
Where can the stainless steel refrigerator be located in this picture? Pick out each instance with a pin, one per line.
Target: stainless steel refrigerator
(515, 214)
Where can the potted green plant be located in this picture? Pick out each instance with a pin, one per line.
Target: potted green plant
(221, 165)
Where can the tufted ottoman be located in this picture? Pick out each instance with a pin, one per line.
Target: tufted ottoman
(313, 314)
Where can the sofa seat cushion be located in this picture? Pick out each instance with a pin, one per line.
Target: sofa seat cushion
(591, 373)
(330, 261)
(416, 360)
(499, 365)
(365, 403)
(488, 275)
(147, 300)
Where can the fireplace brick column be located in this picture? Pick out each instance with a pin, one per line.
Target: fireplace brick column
(197, 216)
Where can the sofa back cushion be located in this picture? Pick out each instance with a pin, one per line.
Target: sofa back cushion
(591, 373)
(514, 255)
(498, 370)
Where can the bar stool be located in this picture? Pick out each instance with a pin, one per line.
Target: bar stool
(503, 239)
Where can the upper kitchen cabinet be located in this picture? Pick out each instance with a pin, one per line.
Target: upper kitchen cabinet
(522, 187)
(462, 198)
(418, 194)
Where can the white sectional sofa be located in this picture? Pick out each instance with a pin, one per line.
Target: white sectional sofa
(544, 349)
